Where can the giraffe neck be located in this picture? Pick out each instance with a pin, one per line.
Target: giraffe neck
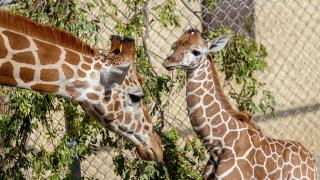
(36, 64)
(209, 117)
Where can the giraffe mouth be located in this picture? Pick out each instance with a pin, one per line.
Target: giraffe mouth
(170, 65)
(150, 152)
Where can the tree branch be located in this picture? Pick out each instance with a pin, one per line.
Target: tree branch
(146, 34)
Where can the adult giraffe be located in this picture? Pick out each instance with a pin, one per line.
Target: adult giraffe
(40, 58)
(242, 151)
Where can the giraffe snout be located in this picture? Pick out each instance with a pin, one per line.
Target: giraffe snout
(170, 62)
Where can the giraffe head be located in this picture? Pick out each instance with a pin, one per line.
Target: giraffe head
(124, 110)
(190, 49)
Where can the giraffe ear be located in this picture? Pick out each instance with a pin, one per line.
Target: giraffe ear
(217, 44)
(115, 74)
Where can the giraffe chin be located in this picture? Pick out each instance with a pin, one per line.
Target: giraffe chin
(144, 153)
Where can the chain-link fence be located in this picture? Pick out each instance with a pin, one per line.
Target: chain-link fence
(290, 31)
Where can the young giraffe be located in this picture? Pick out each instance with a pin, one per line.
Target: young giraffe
(243, 152)
(40, 58)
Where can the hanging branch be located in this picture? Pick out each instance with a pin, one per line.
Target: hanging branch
(146, 34)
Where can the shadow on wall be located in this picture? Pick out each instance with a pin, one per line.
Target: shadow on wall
(288, 112)
(237, 14)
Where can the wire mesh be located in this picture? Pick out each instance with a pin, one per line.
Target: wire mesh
(290, 31)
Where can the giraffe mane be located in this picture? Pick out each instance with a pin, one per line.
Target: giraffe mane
(27, 27)
(238, 115)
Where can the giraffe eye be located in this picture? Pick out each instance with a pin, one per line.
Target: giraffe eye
(196, 53)
(135, 98)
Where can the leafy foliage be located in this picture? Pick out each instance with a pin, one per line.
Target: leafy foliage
(240, 62)
(30, 110)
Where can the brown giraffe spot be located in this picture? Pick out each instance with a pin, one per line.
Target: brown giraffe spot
(260, 157)
(295, 159)
(245, 168)
(72, 57)
(259, 172)
(49, 75)
(106, 98)
(208, 85)
(273, 148)
(219, 131)
(6, 74)
(48, 88)
(297, 172)
(138, 127)
(294, 149)
(207, 99)
(232, 125)
(92, 96)
(127, 118)
(230, 138)
(26, 74)
(97, 66)
(88, 59)
(197, 121)
(146, 128)
(286, 169)
(17, 41)
(80, 84)
(275, 175)
(303, 155)
(24, 57)
(110, 107)
(191, 86)
(204, 132)
(304, 169)
(99, 109)
(199, 92)
(279, 148)
(265, 147)
(98, 88)
(255, 141)
(212, 109)
(126, 82)
(225, 115)
(85, 67)
(197, 113)
(202, 66)
(201, 76)
(250, 156)
(81, 73)
(235, 174)
(48, 53)
(310, 172)
(216, 120)
(133, 125)
(271, 164)
(72, 91)
(242, 145)
(68, 72)
(280, 162)
(120, 116)
(117, 105)
(286, 155)
(225, 165)
(3, 49)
